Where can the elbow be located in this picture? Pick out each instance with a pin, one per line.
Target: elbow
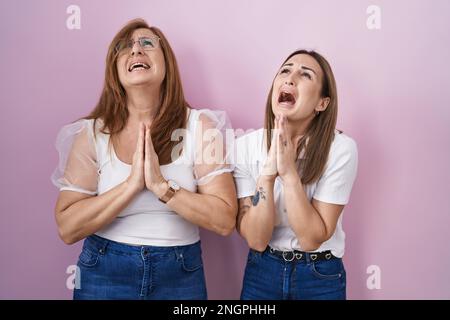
(313, 241)
(66, 237)
(257, 245)
(307, 247)
(309, 244)
(225, 232)
(228, 226)
(65, 232)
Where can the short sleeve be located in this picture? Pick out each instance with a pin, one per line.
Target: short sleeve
(335, 185)
(213, 145)
(243, 178)
(77, 168)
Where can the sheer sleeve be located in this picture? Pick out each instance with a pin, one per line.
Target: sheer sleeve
(213, 145)
(77, 168)
(243, 177)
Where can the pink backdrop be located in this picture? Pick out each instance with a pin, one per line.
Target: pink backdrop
(392, 84)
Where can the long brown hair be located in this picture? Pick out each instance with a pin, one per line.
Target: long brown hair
(112, 108)
(319, 135)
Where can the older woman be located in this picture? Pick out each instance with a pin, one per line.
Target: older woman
(293, 179)
(132, 189)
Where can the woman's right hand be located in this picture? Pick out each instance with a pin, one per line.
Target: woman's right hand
(136, 180)
(270, 170)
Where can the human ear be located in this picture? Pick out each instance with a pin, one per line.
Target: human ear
(323, 104)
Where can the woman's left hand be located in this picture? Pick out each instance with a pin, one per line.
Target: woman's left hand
(154, 180)
(287, 152)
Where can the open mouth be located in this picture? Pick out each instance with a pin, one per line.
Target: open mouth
(138, 66)
(286, 98)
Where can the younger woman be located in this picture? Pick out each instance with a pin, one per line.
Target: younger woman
(293, 180)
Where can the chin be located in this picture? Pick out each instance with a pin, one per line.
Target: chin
(136, 81)
(285, 110)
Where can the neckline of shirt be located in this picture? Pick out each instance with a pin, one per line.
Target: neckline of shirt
(182, 156)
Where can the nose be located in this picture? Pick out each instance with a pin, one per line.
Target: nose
(136, 49)
(289, 81)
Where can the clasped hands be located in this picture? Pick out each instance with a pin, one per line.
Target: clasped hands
(145, 169)
(282, 156)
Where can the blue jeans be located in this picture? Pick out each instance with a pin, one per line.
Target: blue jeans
(112, 270)
(269, 277)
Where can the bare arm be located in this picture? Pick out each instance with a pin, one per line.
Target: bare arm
(256, 217)
(313, 222)
(257, 214)
(79, 215)
(214, 207)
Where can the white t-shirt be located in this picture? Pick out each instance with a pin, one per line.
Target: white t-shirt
(87, 165)
(334, 186)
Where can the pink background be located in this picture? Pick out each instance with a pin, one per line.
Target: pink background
(393, 85)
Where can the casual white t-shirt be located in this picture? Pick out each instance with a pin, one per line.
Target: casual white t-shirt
(334, 186)
(87, 165)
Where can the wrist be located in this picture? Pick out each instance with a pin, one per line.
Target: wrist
(130, 188)
(291, 179)
(265, 179)
(160, 188)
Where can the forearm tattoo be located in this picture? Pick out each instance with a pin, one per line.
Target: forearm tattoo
(244, 205)
(259, 194)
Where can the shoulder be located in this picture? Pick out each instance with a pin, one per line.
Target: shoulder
(78, 126)
(209, 118)
(76, 137)
(80, 132)
(343, 149)
(82, 128)
(250, 147)
(254, 138)
(342, 143)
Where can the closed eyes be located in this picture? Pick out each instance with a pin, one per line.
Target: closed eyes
(302, 74)
(307, 75)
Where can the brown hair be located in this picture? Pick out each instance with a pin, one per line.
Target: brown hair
(319, 135)
(112, 108)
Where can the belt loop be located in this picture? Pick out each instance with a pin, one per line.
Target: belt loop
(307, 258)
(103, 247)
(178, 254)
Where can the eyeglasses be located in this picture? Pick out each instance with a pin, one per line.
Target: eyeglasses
(146, 43)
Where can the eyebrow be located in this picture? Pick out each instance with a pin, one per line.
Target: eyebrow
(306, 68)
(302, 67)
(143, 37)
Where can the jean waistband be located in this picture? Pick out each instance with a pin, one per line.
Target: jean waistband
(102, 244)
(296, 255)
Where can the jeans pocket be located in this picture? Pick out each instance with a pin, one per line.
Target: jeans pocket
(191, 261)
(88, 258)
(328, 270)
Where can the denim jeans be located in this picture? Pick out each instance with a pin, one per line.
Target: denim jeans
(271, 277)
(112, 270)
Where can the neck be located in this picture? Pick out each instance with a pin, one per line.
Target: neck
(143, 104)
(298, 128)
